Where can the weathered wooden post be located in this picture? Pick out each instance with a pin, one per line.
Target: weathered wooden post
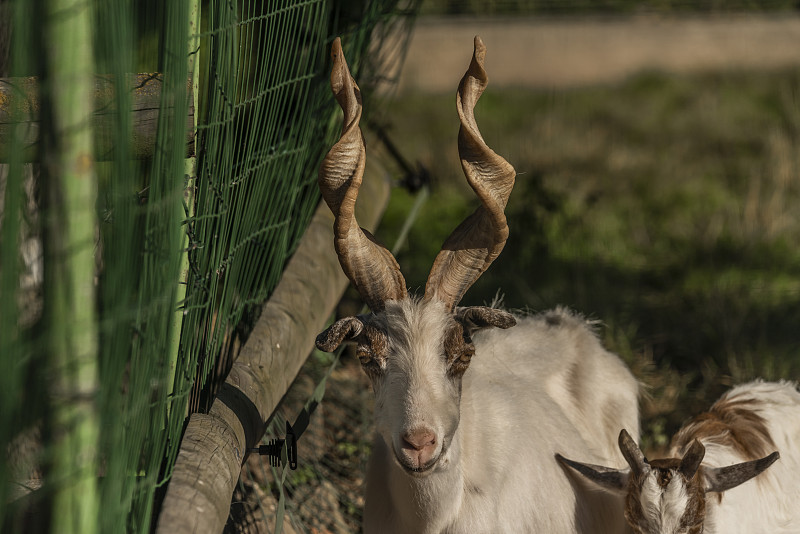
(20, 107)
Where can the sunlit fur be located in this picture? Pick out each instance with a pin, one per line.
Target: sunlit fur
(769, 503)
(747, 423)
(734, 469)
(543, 386)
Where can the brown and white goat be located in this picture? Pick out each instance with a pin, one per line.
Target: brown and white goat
(470, 402)
(717, 452)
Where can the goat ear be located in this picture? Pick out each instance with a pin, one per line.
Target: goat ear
(615, 480)
(338, 332)
(475, 318)
(720, 479)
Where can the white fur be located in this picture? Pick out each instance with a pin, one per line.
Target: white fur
(662, 509)
(531, 390)
(770, 503)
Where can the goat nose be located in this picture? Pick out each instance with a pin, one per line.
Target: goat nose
(419, 439)
(417, 448)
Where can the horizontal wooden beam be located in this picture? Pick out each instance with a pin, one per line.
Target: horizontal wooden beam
(20, 108)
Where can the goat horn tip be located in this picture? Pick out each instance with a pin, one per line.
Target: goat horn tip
(480, 49)
(340, 71)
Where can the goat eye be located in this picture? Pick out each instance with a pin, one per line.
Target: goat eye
(371, 350)
(458, 363)
(364, 355)
(370, 362)
(458, 349)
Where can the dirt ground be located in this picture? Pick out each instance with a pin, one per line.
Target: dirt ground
(560, 53)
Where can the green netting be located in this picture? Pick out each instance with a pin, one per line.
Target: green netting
(123, 301)
(269, 115)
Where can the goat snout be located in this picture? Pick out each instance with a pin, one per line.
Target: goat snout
(418, 447)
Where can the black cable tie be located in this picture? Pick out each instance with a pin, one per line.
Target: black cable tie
(275, 446)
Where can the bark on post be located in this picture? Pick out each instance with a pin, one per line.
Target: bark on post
(19, 97)
(214, 444)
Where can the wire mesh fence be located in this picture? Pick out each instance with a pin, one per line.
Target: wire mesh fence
(123, 302)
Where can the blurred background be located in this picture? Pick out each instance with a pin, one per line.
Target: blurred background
(656, 145)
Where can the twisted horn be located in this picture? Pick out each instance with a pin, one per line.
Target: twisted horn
(478, 240)
(370, 267)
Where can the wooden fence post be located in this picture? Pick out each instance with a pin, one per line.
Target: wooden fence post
(20, 102)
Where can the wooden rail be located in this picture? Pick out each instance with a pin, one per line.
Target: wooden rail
(20, 109)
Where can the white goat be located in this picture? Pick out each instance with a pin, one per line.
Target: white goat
(457, 449)
(716, 452)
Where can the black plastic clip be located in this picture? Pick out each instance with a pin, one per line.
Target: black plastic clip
(275, 446)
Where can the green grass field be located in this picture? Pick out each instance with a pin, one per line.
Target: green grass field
(666, 207)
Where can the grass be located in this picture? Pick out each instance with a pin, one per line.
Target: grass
(666, 207)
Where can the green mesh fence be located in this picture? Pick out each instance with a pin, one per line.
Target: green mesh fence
(128, 277)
